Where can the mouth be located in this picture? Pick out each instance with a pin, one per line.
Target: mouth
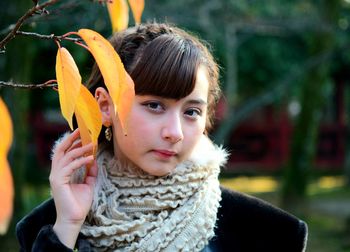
(165, 154)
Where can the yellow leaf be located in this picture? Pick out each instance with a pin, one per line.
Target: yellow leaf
(119, 14)
(137, 7)
(119, 85)
(6, 132)
(6, 195)
(89, 117)
(125, 101)
(69, 82)
(6, 182)
(85, 139)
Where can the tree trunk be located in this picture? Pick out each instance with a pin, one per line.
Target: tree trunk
(347, 135)
(304, 139)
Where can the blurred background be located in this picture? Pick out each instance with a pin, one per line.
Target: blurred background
(284, 115)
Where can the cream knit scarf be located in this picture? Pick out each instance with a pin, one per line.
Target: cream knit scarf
(133, 211)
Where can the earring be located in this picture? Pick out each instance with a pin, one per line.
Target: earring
(108, 134)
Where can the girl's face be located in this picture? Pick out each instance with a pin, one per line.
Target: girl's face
(163, 132)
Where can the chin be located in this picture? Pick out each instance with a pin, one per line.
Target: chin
(161, 172)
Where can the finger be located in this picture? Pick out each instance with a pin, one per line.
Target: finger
(66, 143)
(75, 145)
(68, 170)
(76, 153)
(71, 156)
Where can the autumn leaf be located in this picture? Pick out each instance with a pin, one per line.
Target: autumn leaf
(89, 118)
(7, 194)
(137, 7)
(69, 82)
(120, 87)
(125, 101)
(119, 14)
(6, 182)
(6, 133)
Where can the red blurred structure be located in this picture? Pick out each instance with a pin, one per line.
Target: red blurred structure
(261, 143)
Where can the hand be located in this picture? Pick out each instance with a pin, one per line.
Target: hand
(72, 201)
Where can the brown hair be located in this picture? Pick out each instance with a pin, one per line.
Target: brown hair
(163, 60)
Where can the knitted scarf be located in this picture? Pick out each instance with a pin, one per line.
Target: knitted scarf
(134, 211)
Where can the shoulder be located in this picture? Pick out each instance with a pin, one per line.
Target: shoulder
(28, 228)
(34, 232)
(43, 214)
(247, 223)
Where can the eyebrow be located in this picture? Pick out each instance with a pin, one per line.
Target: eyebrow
(197, 101)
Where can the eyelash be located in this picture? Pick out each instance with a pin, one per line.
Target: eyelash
(160, 108)
(195, 110)
(156, 110)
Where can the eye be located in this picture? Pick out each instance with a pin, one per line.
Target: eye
(154, 106)
(193, 113)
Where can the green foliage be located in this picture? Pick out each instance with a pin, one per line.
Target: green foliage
(263, 60)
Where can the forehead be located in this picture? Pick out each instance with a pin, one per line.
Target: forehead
(201, 88)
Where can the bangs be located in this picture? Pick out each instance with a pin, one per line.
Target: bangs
(167, 67)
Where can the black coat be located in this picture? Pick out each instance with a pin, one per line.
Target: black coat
(245, 224)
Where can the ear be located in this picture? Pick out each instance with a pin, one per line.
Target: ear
(106, 105)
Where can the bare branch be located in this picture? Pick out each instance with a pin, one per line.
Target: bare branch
(33, 11)
(48, 84)
(49, 37)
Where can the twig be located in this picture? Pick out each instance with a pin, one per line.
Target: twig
(82, 45)
(48, 84)
(49, 37)
(33, 11)
(104, 1)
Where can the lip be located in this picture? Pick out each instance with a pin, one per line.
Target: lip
(165, 153)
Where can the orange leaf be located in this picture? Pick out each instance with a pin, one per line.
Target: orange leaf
(120, 87)
(125, 101)
(6, 182)
(7, 194)
(89, 117)
(137, 7)
(6, 132)
(85, 139)
(69, 82)
(119, 14)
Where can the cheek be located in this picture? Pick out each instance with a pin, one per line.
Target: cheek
(193, 135)
(140, 125)
(139, 129)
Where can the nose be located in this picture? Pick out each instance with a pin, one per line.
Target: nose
(172, 129)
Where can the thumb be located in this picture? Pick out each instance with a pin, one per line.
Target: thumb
(93, 170)
(91, 181)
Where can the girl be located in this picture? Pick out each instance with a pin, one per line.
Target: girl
(156, 188)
